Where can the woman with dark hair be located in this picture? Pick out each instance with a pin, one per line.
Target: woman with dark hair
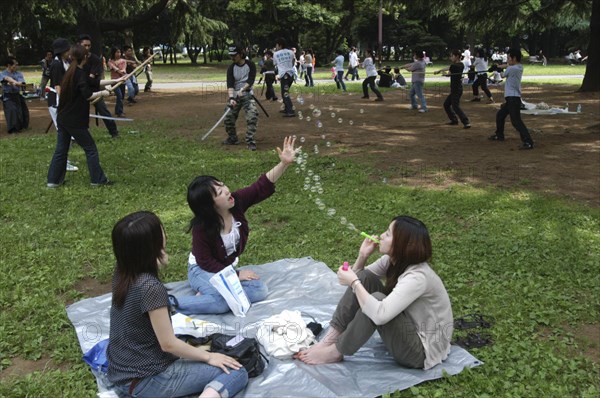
(411, 311)
(220, 232)
(145, 358)
(481, 67)
(118, 66)
(371, 75)
(73, 121)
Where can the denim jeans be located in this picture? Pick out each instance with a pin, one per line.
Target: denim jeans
(308, 78)
(119, 94)
(186, 377)
(58, 165)
(131, 88)
(210, 301)
(340, 80)
(102, 110)
(417, 88)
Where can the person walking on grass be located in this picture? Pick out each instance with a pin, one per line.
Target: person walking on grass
(371, 72)
(73, 121)
(338, 62)
(512, 95)
(411, 310)
(452, 102)
(417, 81)
(145, 358)
(240, 79)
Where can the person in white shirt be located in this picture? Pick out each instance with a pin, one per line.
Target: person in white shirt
(285, 61)
(411, 311)
(371, 75)
(467, 58)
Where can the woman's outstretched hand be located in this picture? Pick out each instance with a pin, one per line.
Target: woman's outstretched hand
(288, 153)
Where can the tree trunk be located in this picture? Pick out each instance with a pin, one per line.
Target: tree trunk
(591, 79)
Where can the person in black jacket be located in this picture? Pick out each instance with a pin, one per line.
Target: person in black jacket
(452, 102)
(93, 67)
(73, 121)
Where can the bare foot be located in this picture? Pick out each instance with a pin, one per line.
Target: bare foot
(320, 355)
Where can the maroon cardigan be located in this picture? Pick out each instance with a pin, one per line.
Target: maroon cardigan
(210, 254)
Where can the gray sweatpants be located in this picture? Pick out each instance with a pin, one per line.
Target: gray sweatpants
(399, 335)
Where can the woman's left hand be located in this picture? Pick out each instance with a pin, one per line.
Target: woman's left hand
(288, 153)
(346, 277)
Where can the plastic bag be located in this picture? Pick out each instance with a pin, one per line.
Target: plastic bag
(228, 284)
(96, 356)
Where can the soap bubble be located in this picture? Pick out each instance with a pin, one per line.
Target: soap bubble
(332, 165)
(350, 122)
(285, 95)
(302, 139)
(307, 180)
(319, 124)
(316, 178)
(322, 206)
(308, 118)
(286, 87)
(331, 212)
(332, 114)
(384, 180)
(282, 107)
(351, 227)
(317, 113)
(312, 106)
(306, 187)
(322, 136)
(343, 220)
(330, 107)
(313, 189)
(320, 192)
(362, 110)
(310, 173)
(316, 151)
(294, 137)
(302, 167)
(293, 107)
(340, 120)
(300, 117)
(328, 144)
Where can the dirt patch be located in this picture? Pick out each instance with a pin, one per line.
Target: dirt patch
(586, 338)
(409, 148)
(20, 367)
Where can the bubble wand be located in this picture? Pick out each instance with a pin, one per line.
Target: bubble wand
(366, 235)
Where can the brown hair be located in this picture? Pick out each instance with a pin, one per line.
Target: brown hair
(68, 86)
(410, 245)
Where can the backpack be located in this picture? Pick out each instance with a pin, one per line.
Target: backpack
(247, 352)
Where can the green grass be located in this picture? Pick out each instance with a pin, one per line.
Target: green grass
(185, 72)
(529, 261)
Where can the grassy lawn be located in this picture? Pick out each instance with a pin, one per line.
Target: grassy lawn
(529, 261)
(185, 72)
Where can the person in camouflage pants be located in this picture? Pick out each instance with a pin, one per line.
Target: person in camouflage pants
(240, 78)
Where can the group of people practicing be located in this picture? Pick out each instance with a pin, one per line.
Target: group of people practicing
(399, 295)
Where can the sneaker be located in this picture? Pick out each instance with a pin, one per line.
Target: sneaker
(115, 135)
(121, 115)
(422, 110)
(53, 185)
(476, 99)
(71, 166)
(526, 146)
(231, 141)
(102, 184)
(467, 126)
(495, 138)
(491, 100)
(364, 97)
(252, 146)
(452, 123)
(131, 100)
(378, 99)
(289, 115)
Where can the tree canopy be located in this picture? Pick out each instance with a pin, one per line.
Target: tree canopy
(28, 27)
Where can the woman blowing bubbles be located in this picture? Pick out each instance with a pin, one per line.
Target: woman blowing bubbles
(220, 232)
(145, 358)
(411, 312)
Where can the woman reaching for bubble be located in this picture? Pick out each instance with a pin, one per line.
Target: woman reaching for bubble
(220, 232)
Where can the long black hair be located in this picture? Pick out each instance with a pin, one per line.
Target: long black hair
(200, 198)
(410, 245)
(68, 85)
(138, 244)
